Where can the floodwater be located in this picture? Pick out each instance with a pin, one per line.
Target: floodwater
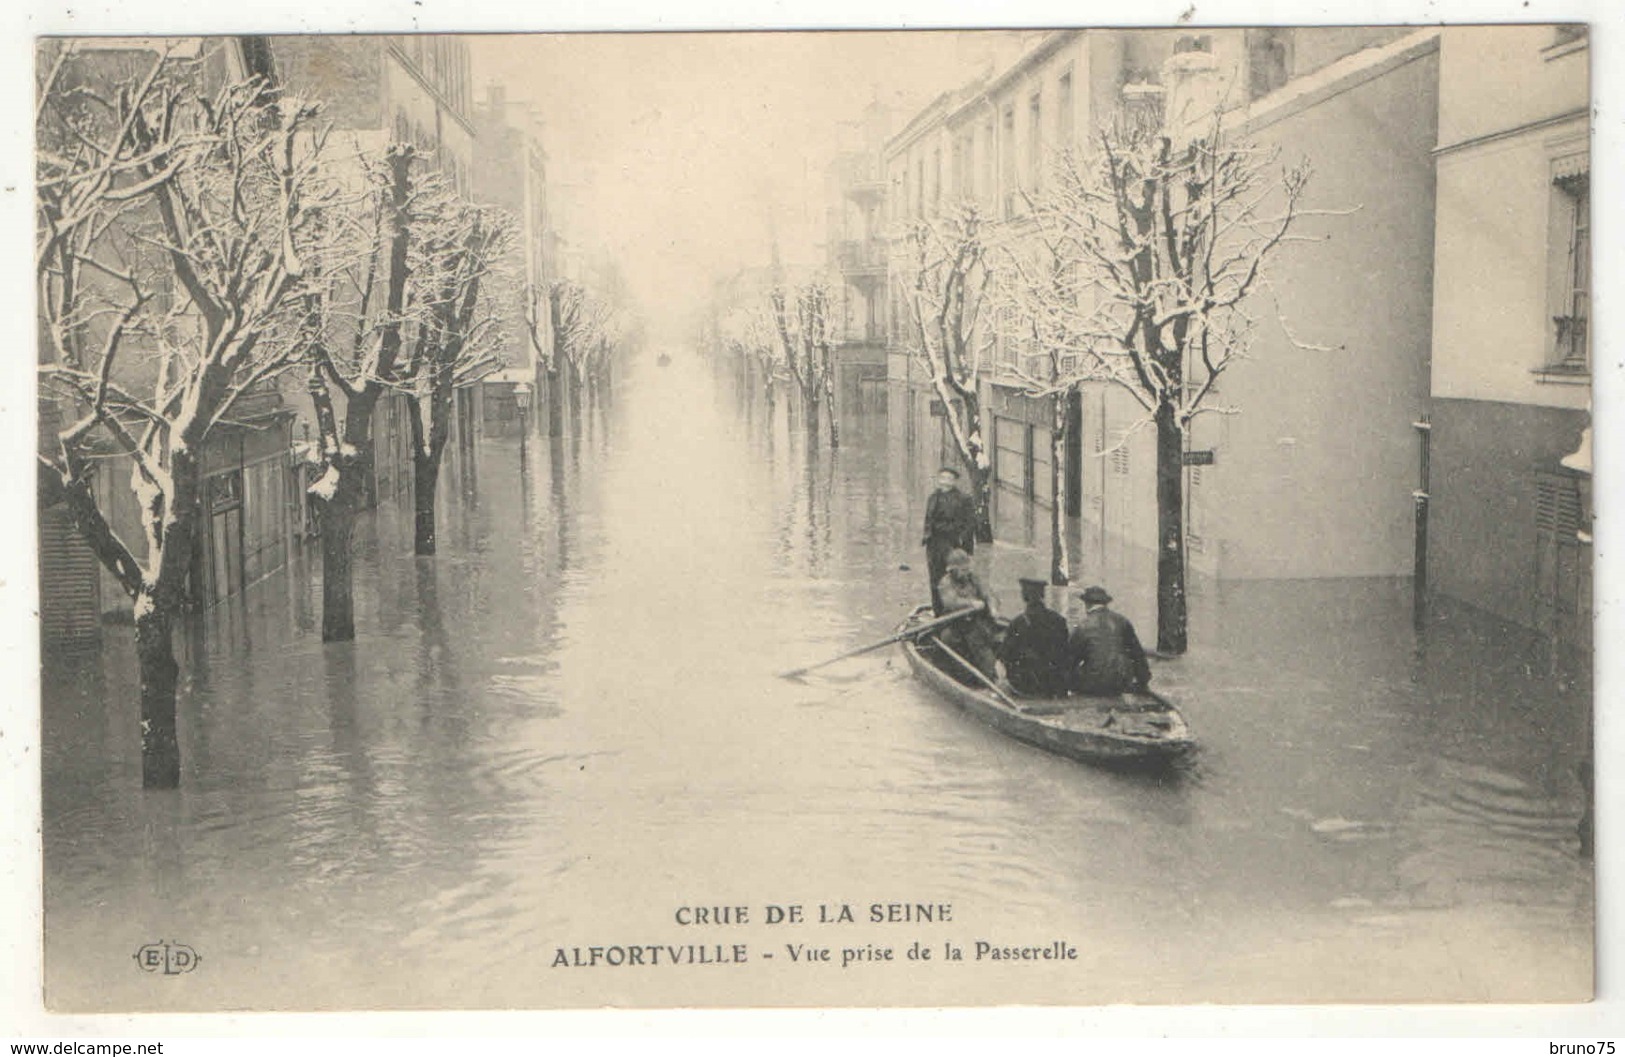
(567, 728)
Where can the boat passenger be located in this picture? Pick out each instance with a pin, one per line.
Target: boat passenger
(1107, 652)
(950, 522)
(1036, 652)
(972, 637)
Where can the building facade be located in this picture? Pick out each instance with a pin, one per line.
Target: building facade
(378, 90)
(857, 249)
(1509, 490)
(249, 477)
(1313, 476)
(510, 172)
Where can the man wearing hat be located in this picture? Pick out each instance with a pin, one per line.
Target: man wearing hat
(1110, 659)
(1035, 652)
(950, 522)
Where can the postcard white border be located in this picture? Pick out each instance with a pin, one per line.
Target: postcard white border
(20, 1013)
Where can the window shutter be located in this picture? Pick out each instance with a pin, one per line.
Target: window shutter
(1557, 506)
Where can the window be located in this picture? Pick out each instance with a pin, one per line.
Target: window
(1065, 119)
(1035, 140)
(1120, 463)
(1007, 158)
(919, 187)
(936, 181)
(984, 173)
(965, 165)
(1007, 343)
(1572, 257)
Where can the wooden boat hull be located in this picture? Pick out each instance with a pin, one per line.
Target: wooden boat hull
(1138, 729)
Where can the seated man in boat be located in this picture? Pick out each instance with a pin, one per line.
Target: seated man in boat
(1036, 653)
(1108, 654)
(972, 637)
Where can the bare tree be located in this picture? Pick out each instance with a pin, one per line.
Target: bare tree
(360, 314)
(1166, 241)
(172, 237)
(456, 332)
(532, 299)
(951, 274)
(801, 318)
(579, 321)
(784, 324)
(748, 334)
(813, 307)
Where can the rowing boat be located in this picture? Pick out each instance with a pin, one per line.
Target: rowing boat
(1133, 729)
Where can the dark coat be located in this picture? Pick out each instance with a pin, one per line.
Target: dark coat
(1108, 654)
(1036, 653)
(950, 521)
(974, 637)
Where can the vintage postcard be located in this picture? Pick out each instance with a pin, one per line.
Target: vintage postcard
(1075, 516)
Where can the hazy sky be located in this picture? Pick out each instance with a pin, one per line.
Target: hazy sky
(670, 150)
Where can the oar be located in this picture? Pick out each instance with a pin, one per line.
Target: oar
(971, 668)
(906, 633)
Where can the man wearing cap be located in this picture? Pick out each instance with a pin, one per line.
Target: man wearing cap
(1109, 657)
(1035, 652)
(950, 522)
(973, 637)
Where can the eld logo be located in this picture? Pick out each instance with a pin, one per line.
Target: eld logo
(171, 959)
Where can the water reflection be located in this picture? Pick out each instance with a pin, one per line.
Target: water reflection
(567, 723)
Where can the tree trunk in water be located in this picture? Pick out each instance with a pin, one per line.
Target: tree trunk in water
(1171, 609)
(555, 402)
(811, 420)
(1059, 573)
(981, 480)
(160, 676)
(338, 601)
(425, 481)
(158, 602)
(428, 452)
(572, 396)
(338, 517)
(829, 406)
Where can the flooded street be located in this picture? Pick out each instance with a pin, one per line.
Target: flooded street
(567, 726)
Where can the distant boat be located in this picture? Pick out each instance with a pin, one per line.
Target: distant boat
(1132, 729)
(664, 360)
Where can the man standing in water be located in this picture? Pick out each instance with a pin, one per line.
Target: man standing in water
(950, 524)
